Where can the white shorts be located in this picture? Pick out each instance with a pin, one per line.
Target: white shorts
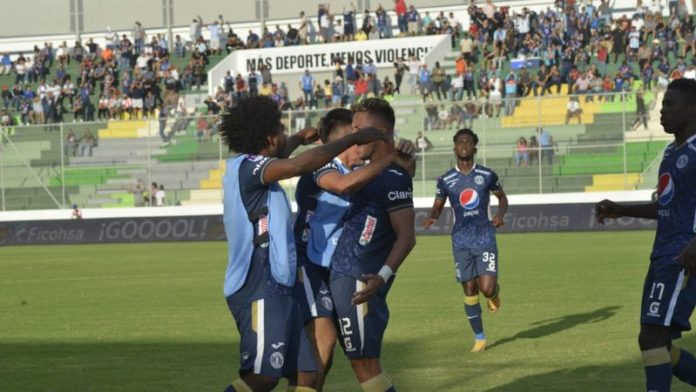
(137, 104)
(215, 44)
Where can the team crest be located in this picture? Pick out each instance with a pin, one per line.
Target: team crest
(277, 360)
(328, 304)
(665, 189)
(682, 161)
(469, 199)
(478, 180)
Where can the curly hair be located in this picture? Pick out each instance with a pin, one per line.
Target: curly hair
(245, 129)
(466, 131)
(332, 120)
(377, 107)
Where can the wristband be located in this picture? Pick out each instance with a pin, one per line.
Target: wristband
(386, 273)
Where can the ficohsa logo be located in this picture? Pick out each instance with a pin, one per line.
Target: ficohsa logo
(469, 199)
(665, 189)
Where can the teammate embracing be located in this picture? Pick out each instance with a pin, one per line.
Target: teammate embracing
(377, 235)
(468, 187)
(669, 292)
(261, 271)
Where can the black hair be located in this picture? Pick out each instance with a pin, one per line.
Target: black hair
(377, 107)
(466, 131)
(246, 128)
(332, 120)
(686, 87)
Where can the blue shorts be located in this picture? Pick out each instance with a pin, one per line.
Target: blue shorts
(314, 294)
(669, 296)
(271, 335)
(361, 327)
(472, 263)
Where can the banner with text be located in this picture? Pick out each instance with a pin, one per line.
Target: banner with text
(320, 57)
(519, 219)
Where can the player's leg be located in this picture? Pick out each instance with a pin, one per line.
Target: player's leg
(663, 286)
(361, 329)
(684, 362)
(319, 316)
(487, 267)
(465, 267)
(322, 335)
(256, 372)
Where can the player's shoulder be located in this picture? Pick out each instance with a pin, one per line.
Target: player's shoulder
(483, 170)
(395, 172)
(449, 175)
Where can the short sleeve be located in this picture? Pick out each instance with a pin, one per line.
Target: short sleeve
(440, 189)
(251, 172)
(397, 190)
(494, 183)
(328, 168)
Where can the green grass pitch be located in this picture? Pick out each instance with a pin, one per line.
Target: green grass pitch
(151, 317)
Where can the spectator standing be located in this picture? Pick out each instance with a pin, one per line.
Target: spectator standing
(138, 37)
(401, 10)
(160, 196)
(413, 20)
(195, 29)
(424, 82)
(510, 94)
(399, 72)
(87, 143)
(546, 144)
(307, 85)
(641, 112)
(349, 22)
(522, 152)
(438, 80)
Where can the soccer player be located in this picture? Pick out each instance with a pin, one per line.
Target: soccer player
(468, 187)
(323, 199)
(378, 234)
(669, 292)
(322, 202)
(260, 275)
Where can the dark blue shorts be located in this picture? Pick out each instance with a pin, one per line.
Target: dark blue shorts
(271, 335)
(361, 327)
(314, 294)
(472, 263)
(669, 296)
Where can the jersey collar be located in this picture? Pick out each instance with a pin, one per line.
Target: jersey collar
(467, 173)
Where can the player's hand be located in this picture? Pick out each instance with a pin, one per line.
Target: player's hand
(405, 147)
(498, 221)
(308, 135)
(427, 222)
(369, 135)
(687, 257)
(607, 209)
(373, 283)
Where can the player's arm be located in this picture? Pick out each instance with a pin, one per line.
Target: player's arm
(310, 160)
(498, 218)
(435, 212)
(304, 137)
(346, 184)
(405, 156)
(609, 209)
(687, 257)
(403, 223)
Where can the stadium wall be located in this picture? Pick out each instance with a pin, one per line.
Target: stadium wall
(527, 213)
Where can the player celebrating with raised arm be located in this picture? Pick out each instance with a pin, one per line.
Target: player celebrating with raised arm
(260, 275)
(669, 292)
(468, 187)
(377, 235)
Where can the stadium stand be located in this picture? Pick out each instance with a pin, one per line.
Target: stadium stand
(125, 91)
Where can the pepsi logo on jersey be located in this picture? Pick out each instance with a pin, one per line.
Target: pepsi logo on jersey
(665, 189)
(469, 199)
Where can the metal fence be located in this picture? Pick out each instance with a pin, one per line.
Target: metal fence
(57, 165)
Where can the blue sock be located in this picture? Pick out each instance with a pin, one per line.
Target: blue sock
(658, 369)
(472, 308)
(230, 388)
(683, 365)
(392, 389)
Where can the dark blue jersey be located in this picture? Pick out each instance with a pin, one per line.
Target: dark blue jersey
(259, 281)
(306, 195)
(368, 236)
(469, 197)
(676, 202)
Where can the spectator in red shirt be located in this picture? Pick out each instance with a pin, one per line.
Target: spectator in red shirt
(400, 9)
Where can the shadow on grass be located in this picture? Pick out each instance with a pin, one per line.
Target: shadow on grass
(118, 366)
(558, 324)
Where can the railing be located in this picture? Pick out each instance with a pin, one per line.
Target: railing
(42, 168)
